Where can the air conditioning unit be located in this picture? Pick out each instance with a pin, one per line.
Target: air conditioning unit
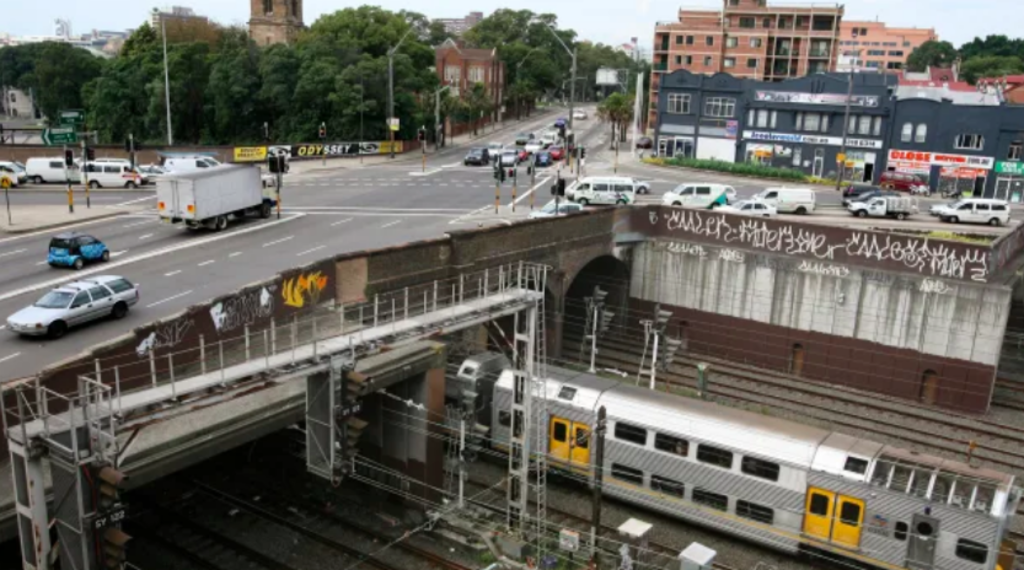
(696, 557)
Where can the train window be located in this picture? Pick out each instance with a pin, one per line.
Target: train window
(709, 499)
(504, 418)
(760, 468)
(627, 474)
(983, 498)
(667, 486)
(849, 514)
(567, 393)
(819, 505)
(922, 480)
(754, 512)
(671, 444)
(714, 456)
(962, 492)
(901, 530)
(561, 432)
(856, 465)
(900, 478)
(971, 551)
(630, 433)
(880, 476)
(943, 484)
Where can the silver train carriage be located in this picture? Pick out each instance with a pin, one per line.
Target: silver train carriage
(787, 486)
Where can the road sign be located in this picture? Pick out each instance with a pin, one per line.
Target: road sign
(71, 117)
(5, 182)
(393, 123)
(59, 136)
(840, 157)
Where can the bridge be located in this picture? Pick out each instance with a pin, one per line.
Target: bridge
(318, 343)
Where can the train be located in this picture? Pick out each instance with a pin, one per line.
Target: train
(791, 487)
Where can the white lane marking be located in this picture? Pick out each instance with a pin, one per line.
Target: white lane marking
(427, 173)
(2, 327)
(15, 252)
(345, 221)
(371, 209)
(144, 222)
(388, 225)
(172, 273)
(67, 227)
(207, 262)
(117, 253)
(235, 254)
(10, 356)
(531, 190)
(452, 165)
(103, 268)
(277, 241)
(145, 236)
(133, 201)
(37, 265)
(162, 301)
(308, 251)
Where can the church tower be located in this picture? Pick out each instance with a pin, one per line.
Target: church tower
(275, 21)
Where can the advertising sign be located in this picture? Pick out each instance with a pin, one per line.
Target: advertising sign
(250, 153)
(731, 128)
(940, 159)
(867, 101)
(607, 76)
(343, 149)
(1015, 168)
(810, 139)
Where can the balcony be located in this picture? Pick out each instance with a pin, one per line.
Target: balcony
(818, 53)
(661, 66)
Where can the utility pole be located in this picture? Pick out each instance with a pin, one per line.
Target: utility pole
(533, 181)
(167, 80)
(846, 131)
(515, 181)
(437, 115)
(85, 169)
(597, 472)
(391, 89)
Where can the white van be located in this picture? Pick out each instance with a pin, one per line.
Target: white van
(113, 175)
(704, 196)
(189, 163)
(789, 200)
(50, 169)
(13, 172)
(976, 211)
(603, 190)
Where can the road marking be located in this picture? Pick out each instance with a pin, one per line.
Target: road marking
(172, 273)
(277, 241)
(161, 302)
(133, 201)
(10, 357)
(106, 267)
(531, 190)
(15, 252)
(235, 254)
(207, 262)
(427, 173)
(388, 225)
(345, 221)
(69, 226)
(308, 251)
(370, 209)
(2, 327)
(117, 253)
(145, 236)
(138, 223)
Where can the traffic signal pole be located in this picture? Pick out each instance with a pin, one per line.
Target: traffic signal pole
(597, 471)
(85, 170)
(67, 179)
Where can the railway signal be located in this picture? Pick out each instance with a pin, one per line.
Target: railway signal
(108, 516)
(597, 321)
(668, 352)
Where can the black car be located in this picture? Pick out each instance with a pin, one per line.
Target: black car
(523, 138)
(863, 192)
(478, 157)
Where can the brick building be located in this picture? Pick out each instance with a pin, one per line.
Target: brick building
(873, 46)
(747, 39)
(457, 26)
(464, 67)
(275, 21)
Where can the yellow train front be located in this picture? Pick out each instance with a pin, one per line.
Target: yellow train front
(791, 487)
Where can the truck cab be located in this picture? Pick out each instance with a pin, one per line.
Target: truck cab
(884, 206)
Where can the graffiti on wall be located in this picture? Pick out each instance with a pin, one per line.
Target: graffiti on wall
(166, 335)
(243, 309)
(303, 290)
(923, 255)
(827, 269)
(934, 286)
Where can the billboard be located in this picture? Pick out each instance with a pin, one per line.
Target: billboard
(868, 101)
(607, 76)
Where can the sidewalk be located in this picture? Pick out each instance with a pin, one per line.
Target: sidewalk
(35, 218)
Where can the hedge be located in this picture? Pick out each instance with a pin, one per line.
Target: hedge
(740, 168)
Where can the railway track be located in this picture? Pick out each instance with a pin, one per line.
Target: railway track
(619, 354)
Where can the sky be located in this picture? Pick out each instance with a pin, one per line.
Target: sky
(608, 22)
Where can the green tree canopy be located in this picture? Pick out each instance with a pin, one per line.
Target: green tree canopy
(990, 66)
(931, 54)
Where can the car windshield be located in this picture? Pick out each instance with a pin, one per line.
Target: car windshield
(60, 243)
(476, 152)
(55, 300)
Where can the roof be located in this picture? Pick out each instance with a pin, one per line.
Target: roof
(972, 97)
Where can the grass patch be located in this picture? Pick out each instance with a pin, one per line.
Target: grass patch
(739, 168)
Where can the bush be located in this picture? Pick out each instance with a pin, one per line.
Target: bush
(740, 168)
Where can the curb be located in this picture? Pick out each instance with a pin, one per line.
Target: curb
(79, 189)
(42, 227)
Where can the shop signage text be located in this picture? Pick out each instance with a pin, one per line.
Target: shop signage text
(870, 101)
(810, 139)
(939, 159)
(1004, 167)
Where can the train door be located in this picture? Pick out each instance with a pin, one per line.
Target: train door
(580, 445)
(818, 513)
(559, 444)
(921, 546)
(832, 517)
(849, 520)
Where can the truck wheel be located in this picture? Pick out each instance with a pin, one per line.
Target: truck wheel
(131, 185)
(221, 223)
(954, 220)
(801, 211)
(265, 210)
(901, 216)
(37, 179)
(583, 202)
(862, 213)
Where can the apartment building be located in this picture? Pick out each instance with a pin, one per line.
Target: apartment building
(748, 39)
(873, 46)
(458, 26)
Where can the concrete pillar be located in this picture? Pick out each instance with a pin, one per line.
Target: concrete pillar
(30, 506)
(556, 324)
(434, 387)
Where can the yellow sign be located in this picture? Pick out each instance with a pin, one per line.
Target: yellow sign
(250, 153)
(840, 157)
(5, 183)
(385, 147)
(850, 164)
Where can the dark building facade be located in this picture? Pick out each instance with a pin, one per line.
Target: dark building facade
(800, 123)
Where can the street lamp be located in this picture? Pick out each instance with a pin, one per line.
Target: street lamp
(572, 54)
(391, 87)
(518, 67)
(437, 114)
(167, 81)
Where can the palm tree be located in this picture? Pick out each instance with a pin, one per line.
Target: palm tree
(617, 110)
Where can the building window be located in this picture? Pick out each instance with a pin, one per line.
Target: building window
(476, 74)
(710, 40)
(671, 444)
(812, 122)
(708, 60)
(679, 60)
(723, 107)
(755, 512)
(679, 40)
(688, 59)
(268, 7)
(906, 44)
(907, 133)
(678, 104)
(755, 42)
(714, 456)
(856, 465)
(709, 499)
(876, 52)
(766, 23)
(667, 486)
(896, 53)
(729, 62)
(627, 474)
(747, 22)
(732, 42)
(1016, 151)
(760, 468)
(865, 125)
(971, 551)
(969, 142)
(921, 134)
(877, 130)
(762, 119)
(689, 40)
(775, 118)
(752, 63)
(630, 433)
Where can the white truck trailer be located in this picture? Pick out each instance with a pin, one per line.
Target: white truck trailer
(882, 206)
(210, 197)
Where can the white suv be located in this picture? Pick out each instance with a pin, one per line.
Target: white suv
(976, 211)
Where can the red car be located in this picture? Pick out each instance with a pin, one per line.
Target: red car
(901, 181)
(556, 152)
(523, 156)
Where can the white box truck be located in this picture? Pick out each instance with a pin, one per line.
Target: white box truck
(208, 198)
(880, 206)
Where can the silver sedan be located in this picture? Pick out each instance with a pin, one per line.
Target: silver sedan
(75, 304)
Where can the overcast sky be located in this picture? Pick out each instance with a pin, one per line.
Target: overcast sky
(599, 21)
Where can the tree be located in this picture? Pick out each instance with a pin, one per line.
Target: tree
(617, 110)
(993, 45)
(990, 66)
(931, 54)
(142, 40)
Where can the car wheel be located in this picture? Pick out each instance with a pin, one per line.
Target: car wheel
(93, 184)
(78, 263)
(801, 211)
(221, 224)
(56, 329)
(265, 210)
(677, 204)
(887, 186)
(583, 202)
(954, 220)
(862, 214)
(993, 221)
(901, 216)
(37, 179)
(120, 310)
(106, 255)
(131, 185)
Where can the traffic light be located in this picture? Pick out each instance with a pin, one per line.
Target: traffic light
(667, 352)
(109, 514)
(561, 131)
(600, 295)
(661, 319)
(128, 145)
(558, 188)
(90, 154)
(276, 164)
(69, 158)
(583, 152)
(323, 130)
(421, 135)
(502, 172)
(606, 321)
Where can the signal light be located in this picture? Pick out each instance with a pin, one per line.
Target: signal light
(90, 154)
(69, 158)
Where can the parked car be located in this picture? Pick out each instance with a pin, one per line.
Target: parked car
(509, 158)
(902, 181)
(645, 142)
(74, 304)
(477, 157)
(533, 145)
(51, 169)
(15, 173)
(703, 196)
(603, 190)
(548, 211)
(523, 138)
(557, 152)
(750, 208)
(977, 211)
(542, 158)
(113, 174)
(75, 250)
(789, 200)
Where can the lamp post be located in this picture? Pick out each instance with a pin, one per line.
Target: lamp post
(572, 54)
(391, 87)
(518, 67)
(167, 80)
(437, 115)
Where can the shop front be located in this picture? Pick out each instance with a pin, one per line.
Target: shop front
(815, 155)
(948, 174)
(1009, 181)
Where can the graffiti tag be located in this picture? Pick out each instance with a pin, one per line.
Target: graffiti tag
(244, 309)
(934, 286)
(818, 268)
(731, 255)
(687, 249)
(165, 336)
(298, 291)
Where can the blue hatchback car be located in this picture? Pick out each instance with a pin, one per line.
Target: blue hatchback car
(75, 250)
(542, 159)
